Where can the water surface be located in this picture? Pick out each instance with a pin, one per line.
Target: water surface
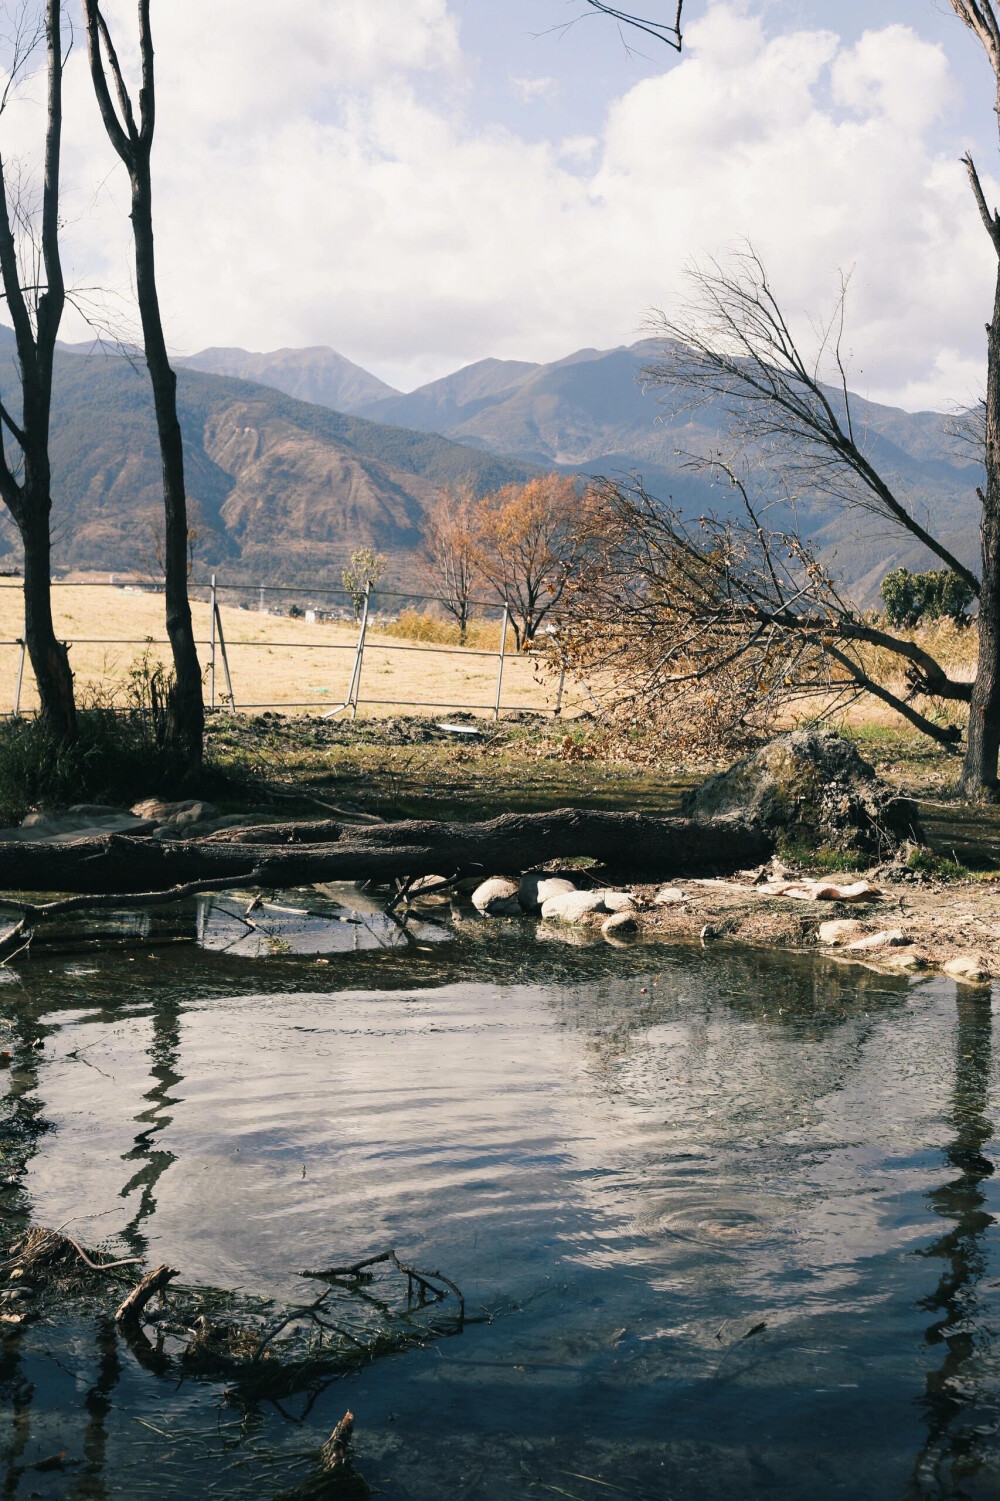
(731, 1215)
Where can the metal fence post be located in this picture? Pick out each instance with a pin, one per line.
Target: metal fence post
(225, 659)
(559, 693)
(213, 600)
(352, 697)
(20, 678)
(503, 652)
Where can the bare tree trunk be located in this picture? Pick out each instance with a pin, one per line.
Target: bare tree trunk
(185, 709)
(49, 656)
(133, 141)
(979, 773)
(30, 499)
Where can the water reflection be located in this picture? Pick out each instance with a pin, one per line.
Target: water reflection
(953, 1402)
(632, 1150)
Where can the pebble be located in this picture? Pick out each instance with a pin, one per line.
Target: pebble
(905, 959)
(572, 906)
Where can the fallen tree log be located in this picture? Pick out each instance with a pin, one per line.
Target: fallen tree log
(632, 843)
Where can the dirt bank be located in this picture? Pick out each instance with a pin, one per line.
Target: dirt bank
(932, 923)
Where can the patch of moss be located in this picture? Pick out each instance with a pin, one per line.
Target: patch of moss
(928, 863)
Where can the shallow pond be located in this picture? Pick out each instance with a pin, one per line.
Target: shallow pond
(724, 1220)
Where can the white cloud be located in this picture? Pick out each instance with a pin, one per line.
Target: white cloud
(318, 181)
(530, 89)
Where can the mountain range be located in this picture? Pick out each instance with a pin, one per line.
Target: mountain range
(279, 489)
(296, 457)
(592, 413)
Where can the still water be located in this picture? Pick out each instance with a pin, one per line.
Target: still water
(727, 1219)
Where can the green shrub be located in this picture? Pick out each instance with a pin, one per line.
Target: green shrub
(940, 594)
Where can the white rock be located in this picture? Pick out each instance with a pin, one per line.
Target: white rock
(969, 968)
(667, 895)
(496, 897)
(905, 959)
(839, 931)
(572, 906)
(535, 888)
(888, 938)
(617, 901)
(619, 925)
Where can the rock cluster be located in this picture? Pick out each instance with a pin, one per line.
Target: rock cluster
(556, 899)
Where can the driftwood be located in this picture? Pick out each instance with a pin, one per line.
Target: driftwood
(129, 1313)
(152, 871)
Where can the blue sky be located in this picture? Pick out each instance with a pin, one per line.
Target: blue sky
(423, 183)
(581, 52)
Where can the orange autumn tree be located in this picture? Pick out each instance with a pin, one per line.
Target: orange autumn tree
(451, 551)
(533, 540)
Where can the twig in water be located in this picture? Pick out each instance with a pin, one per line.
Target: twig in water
(130, 1311)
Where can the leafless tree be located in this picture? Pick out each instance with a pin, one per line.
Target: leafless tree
(132, 139)
(731, 345)
(796, 434)
(33, 286)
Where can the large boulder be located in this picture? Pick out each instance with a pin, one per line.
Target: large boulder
(811, 789)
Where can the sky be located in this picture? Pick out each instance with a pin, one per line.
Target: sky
(424, 183)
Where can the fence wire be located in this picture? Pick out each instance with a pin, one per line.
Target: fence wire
(220, 694)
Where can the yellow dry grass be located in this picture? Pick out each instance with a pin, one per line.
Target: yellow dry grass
(274, 660)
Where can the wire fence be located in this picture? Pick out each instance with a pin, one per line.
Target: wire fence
(258, 668)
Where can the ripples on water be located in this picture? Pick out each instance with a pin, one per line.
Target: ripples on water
(732, 1213)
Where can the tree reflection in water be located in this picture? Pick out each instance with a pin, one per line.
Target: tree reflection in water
(164, 1053)
(961, 1417)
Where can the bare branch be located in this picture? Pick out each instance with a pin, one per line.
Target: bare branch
(661, 31)
(990, 218)
(732, 344)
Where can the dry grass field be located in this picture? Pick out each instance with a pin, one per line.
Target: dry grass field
(275, 661)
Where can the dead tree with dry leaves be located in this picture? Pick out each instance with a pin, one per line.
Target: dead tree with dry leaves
(35, 292)
(791, 431)
(718, 626)
(132, 139)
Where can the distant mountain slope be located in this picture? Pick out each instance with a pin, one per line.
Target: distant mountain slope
(281, 485)
(589, 412)
(317, 374)
(279, 488)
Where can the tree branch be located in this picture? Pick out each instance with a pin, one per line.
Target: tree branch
(659, 30)
(990, 220)
(122, 138)
(944, 734)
